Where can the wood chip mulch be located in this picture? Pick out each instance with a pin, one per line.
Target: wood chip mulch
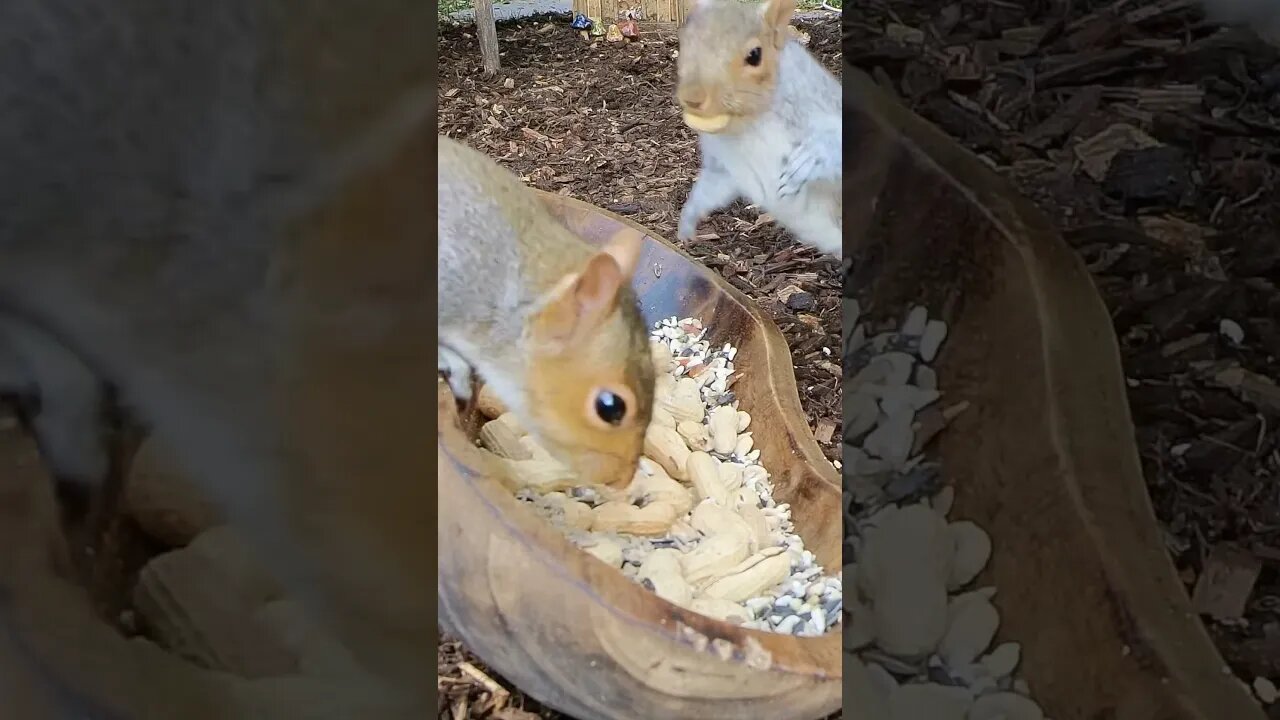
(1152, 138)
(600, 124)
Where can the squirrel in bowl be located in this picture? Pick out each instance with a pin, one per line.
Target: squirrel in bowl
(767, 115)
(550, 323)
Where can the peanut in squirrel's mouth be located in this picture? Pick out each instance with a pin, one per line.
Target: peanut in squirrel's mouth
(707, 123)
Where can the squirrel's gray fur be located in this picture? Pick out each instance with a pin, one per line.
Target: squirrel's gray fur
(509, 272)
(490, 227)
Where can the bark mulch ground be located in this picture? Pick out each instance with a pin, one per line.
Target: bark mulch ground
(1152, 138)
(599, 123)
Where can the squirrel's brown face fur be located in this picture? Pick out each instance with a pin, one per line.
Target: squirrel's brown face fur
(591, 337)
(728, 63)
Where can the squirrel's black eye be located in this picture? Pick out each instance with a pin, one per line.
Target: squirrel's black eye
(610, 407)
(753, 57)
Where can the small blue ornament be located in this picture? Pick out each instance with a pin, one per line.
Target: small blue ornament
(580, 22)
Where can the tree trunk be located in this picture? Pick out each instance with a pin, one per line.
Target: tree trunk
(487, 32)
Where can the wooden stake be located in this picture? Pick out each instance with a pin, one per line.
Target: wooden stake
(487, 32)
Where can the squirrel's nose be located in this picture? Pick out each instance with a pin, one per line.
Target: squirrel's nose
(693, 99)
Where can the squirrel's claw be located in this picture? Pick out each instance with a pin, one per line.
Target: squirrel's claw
(800, 167)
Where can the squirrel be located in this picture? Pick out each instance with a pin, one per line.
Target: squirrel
(551, 324)
(221, 210)
(768, 119)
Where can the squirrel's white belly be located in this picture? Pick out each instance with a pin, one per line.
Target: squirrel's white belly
(813, 216)
(754, 165)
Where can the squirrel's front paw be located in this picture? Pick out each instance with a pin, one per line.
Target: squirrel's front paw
(688, 227)
(457, 372)
(805, 164)
(796, 173)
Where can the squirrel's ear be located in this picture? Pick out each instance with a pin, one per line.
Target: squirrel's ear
(625, 247)
(579, 302)
(777, 13)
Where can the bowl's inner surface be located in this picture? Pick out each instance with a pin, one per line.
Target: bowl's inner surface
(666, 284)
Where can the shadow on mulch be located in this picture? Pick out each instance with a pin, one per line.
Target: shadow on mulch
(1152, 138)
(599, 123)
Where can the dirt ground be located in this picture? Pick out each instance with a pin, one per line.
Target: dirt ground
(1179, 228)
(1174, 207)
(600, 124)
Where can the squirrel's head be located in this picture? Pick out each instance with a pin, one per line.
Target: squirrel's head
(590, 385)
(728, 63)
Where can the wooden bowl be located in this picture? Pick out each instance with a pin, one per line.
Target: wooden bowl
(1045, 458)
(579, 636)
